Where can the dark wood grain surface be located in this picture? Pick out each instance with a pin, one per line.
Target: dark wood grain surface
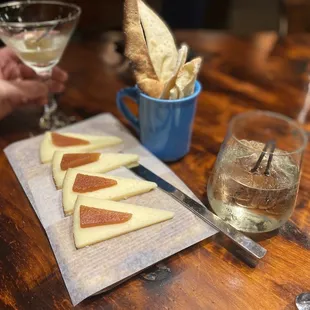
(238, 74)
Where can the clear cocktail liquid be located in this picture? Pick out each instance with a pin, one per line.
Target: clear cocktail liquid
(253, 202)
(40, 55)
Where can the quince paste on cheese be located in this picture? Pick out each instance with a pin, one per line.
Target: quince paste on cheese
(90, 217)
(89, 162)
(78, 159)
(124, 188)
(136, 217)
(88, 183)
(62, 140)
(73, 142)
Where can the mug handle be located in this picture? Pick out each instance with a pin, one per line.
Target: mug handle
(133, 94)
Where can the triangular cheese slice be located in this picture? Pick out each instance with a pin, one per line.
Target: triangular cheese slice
(124, 188)
(141, 217)
(48, 148)
(105, 163)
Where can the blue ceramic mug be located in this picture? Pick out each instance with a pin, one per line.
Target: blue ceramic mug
(164, 126)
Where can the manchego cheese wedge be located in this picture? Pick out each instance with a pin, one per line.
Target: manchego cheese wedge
(47, 147)
(141, 217)
(124, 188)
(105, 163)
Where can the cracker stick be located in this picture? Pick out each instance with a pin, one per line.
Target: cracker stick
(137, 52)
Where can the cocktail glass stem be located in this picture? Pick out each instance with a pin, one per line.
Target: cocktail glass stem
(51, 106)
(47, 120)
(52, 118)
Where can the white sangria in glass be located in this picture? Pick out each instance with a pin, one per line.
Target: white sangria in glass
(38, 32)
(255, 180)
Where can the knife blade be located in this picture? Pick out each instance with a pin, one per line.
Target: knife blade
(203, 213)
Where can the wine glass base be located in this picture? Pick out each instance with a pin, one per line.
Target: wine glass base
(54, 120)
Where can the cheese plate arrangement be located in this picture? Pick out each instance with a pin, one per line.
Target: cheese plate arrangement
(103, 222)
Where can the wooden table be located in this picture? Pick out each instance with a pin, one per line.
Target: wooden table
(238, 74)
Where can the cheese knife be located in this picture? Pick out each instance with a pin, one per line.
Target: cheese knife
(203, 213)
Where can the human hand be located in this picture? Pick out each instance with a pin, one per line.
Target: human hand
(14, 94)
(12, 68)
(20, 85)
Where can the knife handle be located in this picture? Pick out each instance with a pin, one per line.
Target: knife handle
(217, 223)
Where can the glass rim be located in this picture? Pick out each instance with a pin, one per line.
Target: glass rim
(279, 116)
(44, 23)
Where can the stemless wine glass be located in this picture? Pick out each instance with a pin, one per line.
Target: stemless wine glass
(38, 32)
(255, 179)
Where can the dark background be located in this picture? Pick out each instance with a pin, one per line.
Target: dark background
(241, 17)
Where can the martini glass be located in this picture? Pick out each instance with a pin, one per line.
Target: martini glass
(38, 32)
